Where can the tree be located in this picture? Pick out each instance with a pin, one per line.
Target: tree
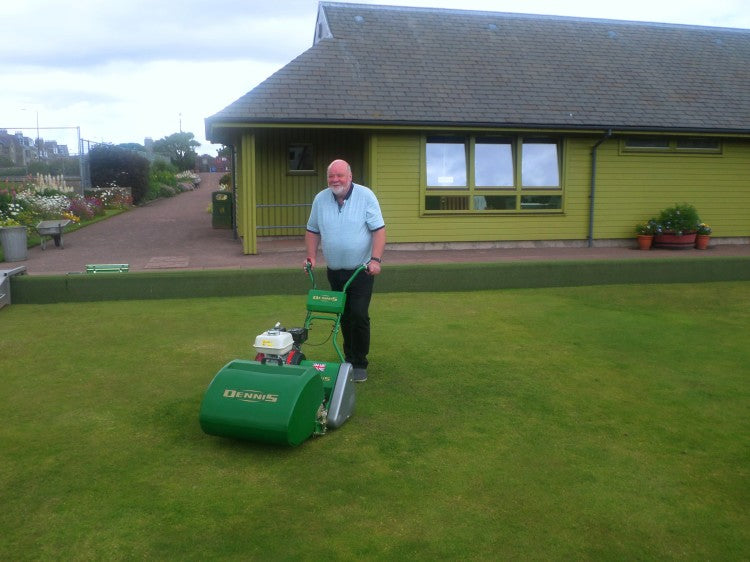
(132, 146)
(179, 148)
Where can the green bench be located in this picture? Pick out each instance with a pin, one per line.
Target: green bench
(107, 268)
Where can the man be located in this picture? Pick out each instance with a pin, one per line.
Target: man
(346, 220)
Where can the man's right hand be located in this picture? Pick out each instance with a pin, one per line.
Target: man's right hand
(309, 262)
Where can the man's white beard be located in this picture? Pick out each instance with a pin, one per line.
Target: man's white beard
(339, 191)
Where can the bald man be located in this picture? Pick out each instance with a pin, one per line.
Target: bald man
(347, 222)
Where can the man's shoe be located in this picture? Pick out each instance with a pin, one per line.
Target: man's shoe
(359, 375)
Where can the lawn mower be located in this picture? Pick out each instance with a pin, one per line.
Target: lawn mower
(281, 397)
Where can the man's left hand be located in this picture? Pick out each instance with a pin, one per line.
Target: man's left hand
(373, 268)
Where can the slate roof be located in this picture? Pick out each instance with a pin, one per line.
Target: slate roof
(421, 66)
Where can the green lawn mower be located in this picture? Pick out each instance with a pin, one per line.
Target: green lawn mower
(281, 397)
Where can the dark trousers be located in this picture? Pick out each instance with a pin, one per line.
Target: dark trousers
(355, 321)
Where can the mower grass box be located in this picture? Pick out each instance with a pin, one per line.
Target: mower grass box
(268, 403)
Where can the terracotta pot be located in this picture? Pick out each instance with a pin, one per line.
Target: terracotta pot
(645, 241)
(675, 241)
(701, 241)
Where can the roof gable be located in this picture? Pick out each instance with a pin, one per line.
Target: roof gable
(392, 65)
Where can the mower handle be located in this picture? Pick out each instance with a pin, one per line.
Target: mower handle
(309, 270)
(364, 266)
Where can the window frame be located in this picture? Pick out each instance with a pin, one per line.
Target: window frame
(473, 195)
(301, 172)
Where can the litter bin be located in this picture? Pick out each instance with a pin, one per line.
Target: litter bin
(13, 240)
(222, 209)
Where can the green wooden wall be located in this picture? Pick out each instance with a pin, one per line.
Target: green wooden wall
(398, 169)
(631, 187)
(634, 187)
(284, 198)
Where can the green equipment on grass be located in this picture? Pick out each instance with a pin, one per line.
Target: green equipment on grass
(280, 397)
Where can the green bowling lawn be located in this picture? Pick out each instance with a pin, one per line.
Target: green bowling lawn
(599, 423)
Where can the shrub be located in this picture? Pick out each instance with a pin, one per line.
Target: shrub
(679, 219)
(163, 172)
(167, 191)
(115, 166)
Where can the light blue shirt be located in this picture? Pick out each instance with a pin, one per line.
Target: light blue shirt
(346, 230)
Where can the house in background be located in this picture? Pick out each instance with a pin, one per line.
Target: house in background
(499, 129)
(54, 150)
(17, 149)
(208, 163)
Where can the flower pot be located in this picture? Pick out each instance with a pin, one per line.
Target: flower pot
(13, 239)
(675, 241)
(645, 241)
(701, 241)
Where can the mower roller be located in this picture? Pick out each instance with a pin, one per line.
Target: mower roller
(281, 397)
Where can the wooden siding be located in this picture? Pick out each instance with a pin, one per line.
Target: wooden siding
(630, 188)
(398, 169)
(284, 198)
(633, 187)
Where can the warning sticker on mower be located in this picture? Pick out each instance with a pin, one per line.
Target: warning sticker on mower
(319, 367)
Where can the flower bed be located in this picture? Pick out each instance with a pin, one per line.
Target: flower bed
(42, 199)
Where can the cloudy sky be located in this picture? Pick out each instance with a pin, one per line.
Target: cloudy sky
(123, 71)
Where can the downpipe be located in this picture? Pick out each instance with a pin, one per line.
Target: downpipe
(592, 191)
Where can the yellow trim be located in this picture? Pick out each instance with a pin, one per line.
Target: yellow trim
(248, 186)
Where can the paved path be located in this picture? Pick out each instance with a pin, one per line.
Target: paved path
(176, 234)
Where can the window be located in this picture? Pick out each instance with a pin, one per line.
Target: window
(670, 145)
(482, 174)
(446, 162)
(647, 143)
(493, 162)
(300, 158)
(540, 165)
(698, 144)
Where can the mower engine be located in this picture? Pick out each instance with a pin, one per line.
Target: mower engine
(281, 346)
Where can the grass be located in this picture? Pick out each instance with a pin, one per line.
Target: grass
(571, 423)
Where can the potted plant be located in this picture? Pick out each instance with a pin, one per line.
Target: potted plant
(645, 232)
(703, 235)
(13, 238)
(678, 226)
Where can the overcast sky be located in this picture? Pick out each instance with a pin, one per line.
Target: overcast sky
(123, 71)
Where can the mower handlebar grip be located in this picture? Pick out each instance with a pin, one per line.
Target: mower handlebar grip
(309, 270)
